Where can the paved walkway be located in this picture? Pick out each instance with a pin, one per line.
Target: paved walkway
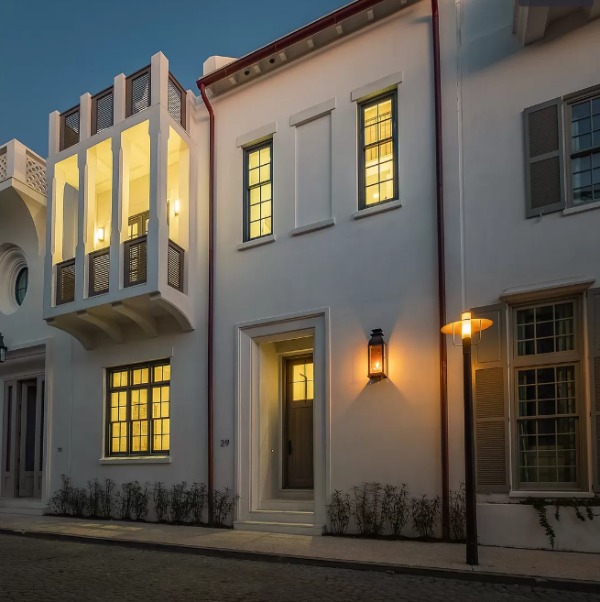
(441, 559)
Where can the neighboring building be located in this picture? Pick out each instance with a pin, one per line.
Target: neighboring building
(324, 230)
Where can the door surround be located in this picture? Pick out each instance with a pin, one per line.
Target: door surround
(250, 336)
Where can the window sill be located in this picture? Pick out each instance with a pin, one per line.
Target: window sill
(257, 242)
(581, 208)
(551, 494)
(326, 223)
(382, 208)
(136, 460)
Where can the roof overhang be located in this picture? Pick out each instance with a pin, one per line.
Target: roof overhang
(533, 17)
(310, 38)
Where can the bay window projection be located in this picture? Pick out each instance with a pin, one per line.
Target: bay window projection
(65, 225)
(258, 176)
(99, 205)
(138, 410)
(378, 180)
(135, 144)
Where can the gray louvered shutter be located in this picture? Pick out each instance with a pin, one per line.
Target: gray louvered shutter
(594, 345)
(490, 403)
(544, 158)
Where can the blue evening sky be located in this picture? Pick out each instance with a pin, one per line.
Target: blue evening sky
(52, 51)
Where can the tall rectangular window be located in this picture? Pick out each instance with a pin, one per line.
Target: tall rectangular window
(378, 168)
(138, 409)
(585, 150)
(548, 395)
(258, 176)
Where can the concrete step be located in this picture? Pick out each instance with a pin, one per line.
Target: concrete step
(32, 507)
(277, 527)
(288, 505)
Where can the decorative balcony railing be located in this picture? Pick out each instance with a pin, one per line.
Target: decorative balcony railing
(99, 271)
(3, 164)
(136, 261)
(35, 173)
(65, 281)
(175, 266)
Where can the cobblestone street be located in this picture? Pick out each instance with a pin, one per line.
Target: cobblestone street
(43, 570)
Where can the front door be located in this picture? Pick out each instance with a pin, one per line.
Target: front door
(298, 422)
(23, 430)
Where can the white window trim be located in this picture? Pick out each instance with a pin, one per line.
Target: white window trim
(256, 136)
(312, 113)
(136, 460)
(256, 242)
(377, 87)
(380, 208)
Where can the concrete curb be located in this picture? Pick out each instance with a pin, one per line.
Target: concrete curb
(440, 573)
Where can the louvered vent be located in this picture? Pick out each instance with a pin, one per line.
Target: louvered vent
(140, 93)
(136, 252)
(175, 100)
(99, 272)
(70, 134)
(545, 183)
(175, 266)
(103, 111)
(543, 131)
(65, 282)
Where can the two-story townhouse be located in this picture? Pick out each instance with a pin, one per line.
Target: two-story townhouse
(524, 209)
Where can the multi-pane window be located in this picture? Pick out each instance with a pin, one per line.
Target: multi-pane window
(137, 225)
(378, 162)
(585, 150)
(259, 191)
(139, 409)
(549, 406)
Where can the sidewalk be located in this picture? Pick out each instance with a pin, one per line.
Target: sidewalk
(564, 569)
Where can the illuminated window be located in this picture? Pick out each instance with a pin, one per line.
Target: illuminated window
(258, 171)
(138, 409)
(378, 181)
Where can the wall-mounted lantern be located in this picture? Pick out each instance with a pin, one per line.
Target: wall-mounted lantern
(3, 349)
(377, 355)
(176, 207)
(100, 233)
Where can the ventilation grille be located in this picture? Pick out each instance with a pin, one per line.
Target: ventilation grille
(103, 116)
(140, 93)
(70, 133)
(35, 172)
(99, 272)
(175, 99)
(136, 254)
(3, 164)
(65, 281)
(175, 266)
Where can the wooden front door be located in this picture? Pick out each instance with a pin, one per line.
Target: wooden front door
(298, 422)
(22, 449)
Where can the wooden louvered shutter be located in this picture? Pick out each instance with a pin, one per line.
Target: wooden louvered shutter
(490, 403)
(594, 346)
(544, 158)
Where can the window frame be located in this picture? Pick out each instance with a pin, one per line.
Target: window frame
(247, 150)
(576, 358)
(24, 270)
(567, 107)
(108, 453)
(361, 106)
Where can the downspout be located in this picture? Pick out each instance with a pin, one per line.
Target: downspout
(441, 264)
(211, 301)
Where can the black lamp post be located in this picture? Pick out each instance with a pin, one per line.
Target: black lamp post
(465, 329)
(3, 349)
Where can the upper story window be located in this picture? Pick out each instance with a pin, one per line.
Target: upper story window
(585, 150)
(138, 91)
(21, 285)
(137, 225)
(258, 189)
(562, 144)
(138, 409)
(378, 181)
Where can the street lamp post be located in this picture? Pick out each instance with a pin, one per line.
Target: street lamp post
(466, 327)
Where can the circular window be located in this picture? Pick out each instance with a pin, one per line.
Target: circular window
(14, 278)
(21, 285)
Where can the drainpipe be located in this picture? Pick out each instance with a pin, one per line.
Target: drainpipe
(211, 300)
(441, 264)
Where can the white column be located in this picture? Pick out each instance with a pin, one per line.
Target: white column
(82, 198)
(159, 77)
(119, 97)
(51, 185)
(116, 216)
(53, 135)
(85, 116)
(16, 160)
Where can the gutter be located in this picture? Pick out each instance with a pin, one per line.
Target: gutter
(441, 267)
(211, 302)
(281, 44)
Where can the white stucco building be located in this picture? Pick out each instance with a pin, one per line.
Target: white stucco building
(205, 271)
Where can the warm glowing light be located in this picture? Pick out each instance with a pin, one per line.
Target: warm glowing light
(100, 234)
(176, 207)
(377, 352)
(467, 326)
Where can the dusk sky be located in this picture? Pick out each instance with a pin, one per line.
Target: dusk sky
(52, 51)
